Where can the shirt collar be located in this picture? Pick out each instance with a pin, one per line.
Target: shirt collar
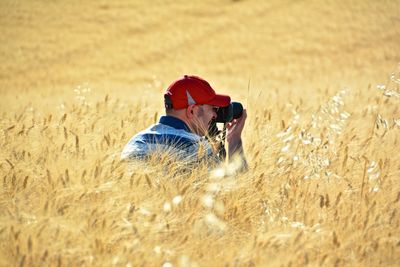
(174, 123)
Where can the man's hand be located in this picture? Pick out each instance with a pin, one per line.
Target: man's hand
(234, 134)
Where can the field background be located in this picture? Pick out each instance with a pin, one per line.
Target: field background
(320, 81)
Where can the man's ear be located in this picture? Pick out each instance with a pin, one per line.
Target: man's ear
(190, 111)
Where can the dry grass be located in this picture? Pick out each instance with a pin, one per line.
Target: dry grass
(323, 185)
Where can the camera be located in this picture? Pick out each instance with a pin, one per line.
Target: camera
(226, 114)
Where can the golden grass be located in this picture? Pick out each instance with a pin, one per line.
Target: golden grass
(321, 136)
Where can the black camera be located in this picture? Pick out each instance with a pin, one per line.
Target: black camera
(226, 114)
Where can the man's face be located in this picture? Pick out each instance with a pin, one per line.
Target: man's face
(201, 117)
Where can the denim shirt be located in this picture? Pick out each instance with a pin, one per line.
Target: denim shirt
(170, 135)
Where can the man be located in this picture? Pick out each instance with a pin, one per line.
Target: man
(191, 104)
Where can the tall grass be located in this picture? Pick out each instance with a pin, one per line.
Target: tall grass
(322, 188)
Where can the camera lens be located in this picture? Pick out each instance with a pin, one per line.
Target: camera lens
(237, 110)
(226, 114)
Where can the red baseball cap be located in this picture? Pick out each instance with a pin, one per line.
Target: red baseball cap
(190, 90)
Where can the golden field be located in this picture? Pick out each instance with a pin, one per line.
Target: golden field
(320, 81)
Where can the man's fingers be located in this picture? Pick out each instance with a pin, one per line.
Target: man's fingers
(244, 115)
(237, 121)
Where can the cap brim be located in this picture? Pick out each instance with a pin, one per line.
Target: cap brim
(220, 101)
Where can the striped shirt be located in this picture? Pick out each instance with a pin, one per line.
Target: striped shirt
(171, 135)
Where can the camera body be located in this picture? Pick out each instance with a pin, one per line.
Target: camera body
(226, 114)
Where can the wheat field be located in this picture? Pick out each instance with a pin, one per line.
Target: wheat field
(321, 84)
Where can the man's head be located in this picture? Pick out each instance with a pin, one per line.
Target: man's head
(194, 101)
